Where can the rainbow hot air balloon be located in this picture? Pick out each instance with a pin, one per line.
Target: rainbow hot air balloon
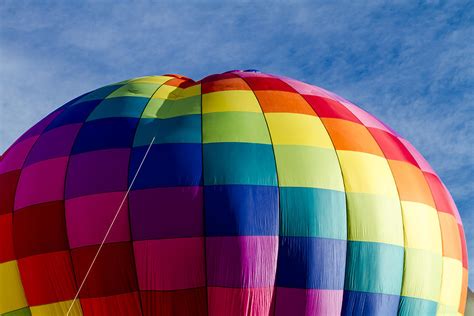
(240, 194)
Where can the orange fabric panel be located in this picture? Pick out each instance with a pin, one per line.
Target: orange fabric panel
(281, 101)
(462, 301)
(411, 183)
(450, 235)
(348, 135)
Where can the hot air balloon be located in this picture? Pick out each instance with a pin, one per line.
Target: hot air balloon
(240, 194)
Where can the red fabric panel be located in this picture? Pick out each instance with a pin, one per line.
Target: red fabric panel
(47, 278)
(113, 271)
(330, 108)
(463, 246)
(8, 183)
(263, 83)
(7, 252)
(116, 305)
(39, 229)
(392, 147)
(440, 195)
(176, 303)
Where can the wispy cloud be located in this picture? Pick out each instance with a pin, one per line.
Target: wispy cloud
(409, 63)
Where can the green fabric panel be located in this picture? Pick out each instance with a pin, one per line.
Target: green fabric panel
(374, 268)
(374, 218)
(309, 212)
(305, 166)
(119, 107)
(181, 129)
(414, 306)
(135, 90)
(25, 311)
(422, 276)
(159, 108)
(247, 127)
(239, 163)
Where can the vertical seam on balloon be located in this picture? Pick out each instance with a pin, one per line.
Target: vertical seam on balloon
(65, 182)
(278, 187)
(13, 208)
(204, 236)
(399, 202)
(64, 107)
(128, 196)
(441, 237)
(342, 178)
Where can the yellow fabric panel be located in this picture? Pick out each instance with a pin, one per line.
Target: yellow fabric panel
(306, 166)
(12, 296)
(451, 282)
(374, 218)
(444, 310)
(160, 108)
(297, 129)
(174, 93)
(230, 101)
(59, 308)
(366, 173)
(422, 274)
(146, 79)
(421, 227)
(151, 79)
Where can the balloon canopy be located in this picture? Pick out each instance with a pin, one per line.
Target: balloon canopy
(240, 194)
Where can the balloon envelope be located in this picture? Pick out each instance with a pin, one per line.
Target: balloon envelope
(240, 194)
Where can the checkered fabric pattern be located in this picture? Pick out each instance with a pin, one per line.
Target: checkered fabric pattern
(260, 195)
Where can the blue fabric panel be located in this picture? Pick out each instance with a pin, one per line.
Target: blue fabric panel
(105, 134)
(239, 163)
(311, 212)
(167, 165)
(374, 267)
(241, 210)
(368, 304)
(311, 263)
(180, 129)
(74, 114)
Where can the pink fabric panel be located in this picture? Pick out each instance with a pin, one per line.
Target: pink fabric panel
(308, 302)
(41, 182)
(16, 155)
(89, 217)
(237, 302)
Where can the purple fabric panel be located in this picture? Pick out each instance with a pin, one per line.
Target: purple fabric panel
(97, 172)
(166, 212)
(39, 127)
(241, 261)
(54, 143)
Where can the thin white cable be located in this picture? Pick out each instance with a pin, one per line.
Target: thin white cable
(110, 227)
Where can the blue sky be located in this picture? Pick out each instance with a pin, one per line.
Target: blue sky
(409, 63)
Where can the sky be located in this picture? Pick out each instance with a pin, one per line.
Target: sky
(410, 63)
